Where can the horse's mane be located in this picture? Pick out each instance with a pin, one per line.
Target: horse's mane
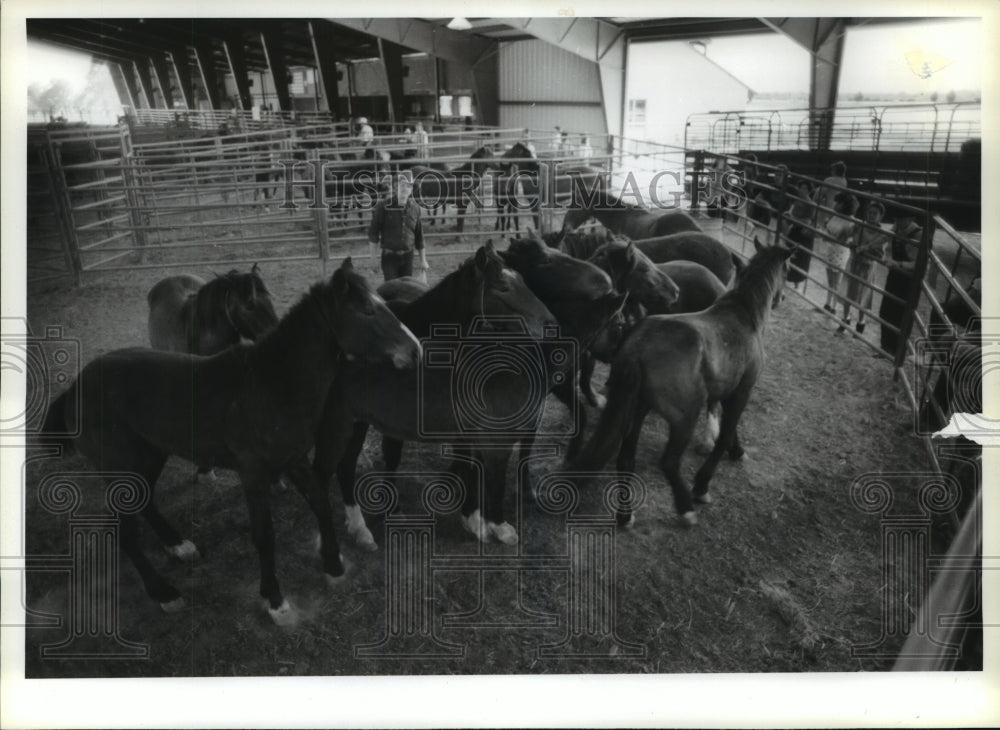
(312, 313)
(754, 288)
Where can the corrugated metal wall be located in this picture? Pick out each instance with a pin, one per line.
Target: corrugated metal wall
(543, 86)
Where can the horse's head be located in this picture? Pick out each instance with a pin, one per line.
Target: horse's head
(526, 251)
(364, 326)
(611, 325)
(767, 272)
(498, 291)
(247, 303)
(574, 218)
(632, 271)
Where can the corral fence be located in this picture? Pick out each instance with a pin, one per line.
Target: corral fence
(917, 283)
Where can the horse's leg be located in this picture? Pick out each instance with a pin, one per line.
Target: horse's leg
(472, 514)
(587, 363)
(732, 409)
(495, 477)
(626, 458)
(318, 498)
(567, 394)
(157, 587)
(256, 489)
(347, 475)
(682, 425)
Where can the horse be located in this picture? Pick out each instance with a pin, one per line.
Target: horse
(627, 219)
(482, 287)
(257, 410)
(186, 314)
(679, 364)
(579, 245)
(699, 287)
(650, 289)
(434, 189)
(519, 164)
(700, 248)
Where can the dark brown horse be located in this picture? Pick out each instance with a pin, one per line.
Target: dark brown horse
(700, 248)
(679, 364)
(256, 410)
(434, 189)
(186, 314)
(650, 289)
(427, 406)
(625, 218)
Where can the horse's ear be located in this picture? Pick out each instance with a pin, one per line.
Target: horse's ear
(255, 269)
(481, 258)
(757, 245)
(347, 265)
(489, 246)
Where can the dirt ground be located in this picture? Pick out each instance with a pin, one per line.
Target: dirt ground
(783, 573)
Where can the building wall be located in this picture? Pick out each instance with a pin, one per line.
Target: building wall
(543, 86)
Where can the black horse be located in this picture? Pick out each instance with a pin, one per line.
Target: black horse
(425, 406)
(435, 189)
(186, 314)
(627, 219)
(679, 364)
(518, 165)
(254, 408)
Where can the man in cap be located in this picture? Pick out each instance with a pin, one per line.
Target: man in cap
(396, 228)
(366, 135)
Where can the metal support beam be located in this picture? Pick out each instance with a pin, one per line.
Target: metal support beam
(392, 63)
(595, 40)
(159, 61)
(425, 37)
(279, 72)
(204, 55)
(182, 71)
(145, 81)
(124, 85)
(323, 44)
(823, 38)
(486, 77)
(233, 48)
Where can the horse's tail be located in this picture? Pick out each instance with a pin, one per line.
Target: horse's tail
(55, 430)
(624, 387)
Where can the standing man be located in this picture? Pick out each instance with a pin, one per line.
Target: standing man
(421, 139)
(366, 135)
(396, 227)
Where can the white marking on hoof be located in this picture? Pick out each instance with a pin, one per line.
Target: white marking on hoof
(689, 519)
(358, 530)
(504, 532)
(283, 615)
(703, 498)
(185, 551)
(600, 401)
(474, 523)
(173, 606)
(744, 457)
(335, 581)
(712, 426)
(630, 524)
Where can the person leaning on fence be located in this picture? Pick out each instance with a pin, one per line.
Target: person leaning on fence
(869, 247)
(899, 281)
(396, 228)
(584, 151)
(799, 233)
(834, 246)
(826, 194)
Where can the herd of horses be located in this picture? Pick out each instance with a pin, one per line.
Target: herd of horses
(227, 384)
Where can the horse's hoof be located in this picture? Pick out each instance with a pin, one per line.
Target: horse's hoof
(599, 401)
(185, 550)
(174, 606)
(364, 539)
(628, 524)
(474, 523)
(689, 519)
(504, 532)
(335, 581)
(705, 498)
(283, 615)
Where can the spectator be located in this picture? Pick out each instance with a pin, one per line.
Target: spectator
(839, 232)
(869, 247)
(563, 147)
(420, 140)
(529, 145)
(906, 237)
(799, 233)
(826, 196)
(396, 228)
(366, 135)
(584, 152)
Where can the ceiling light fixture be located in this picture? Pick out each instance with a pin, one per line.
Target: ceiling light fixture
(459, 24)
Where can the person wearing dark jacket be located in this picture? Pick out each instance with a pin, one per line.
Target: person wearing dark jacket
(396, 228)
